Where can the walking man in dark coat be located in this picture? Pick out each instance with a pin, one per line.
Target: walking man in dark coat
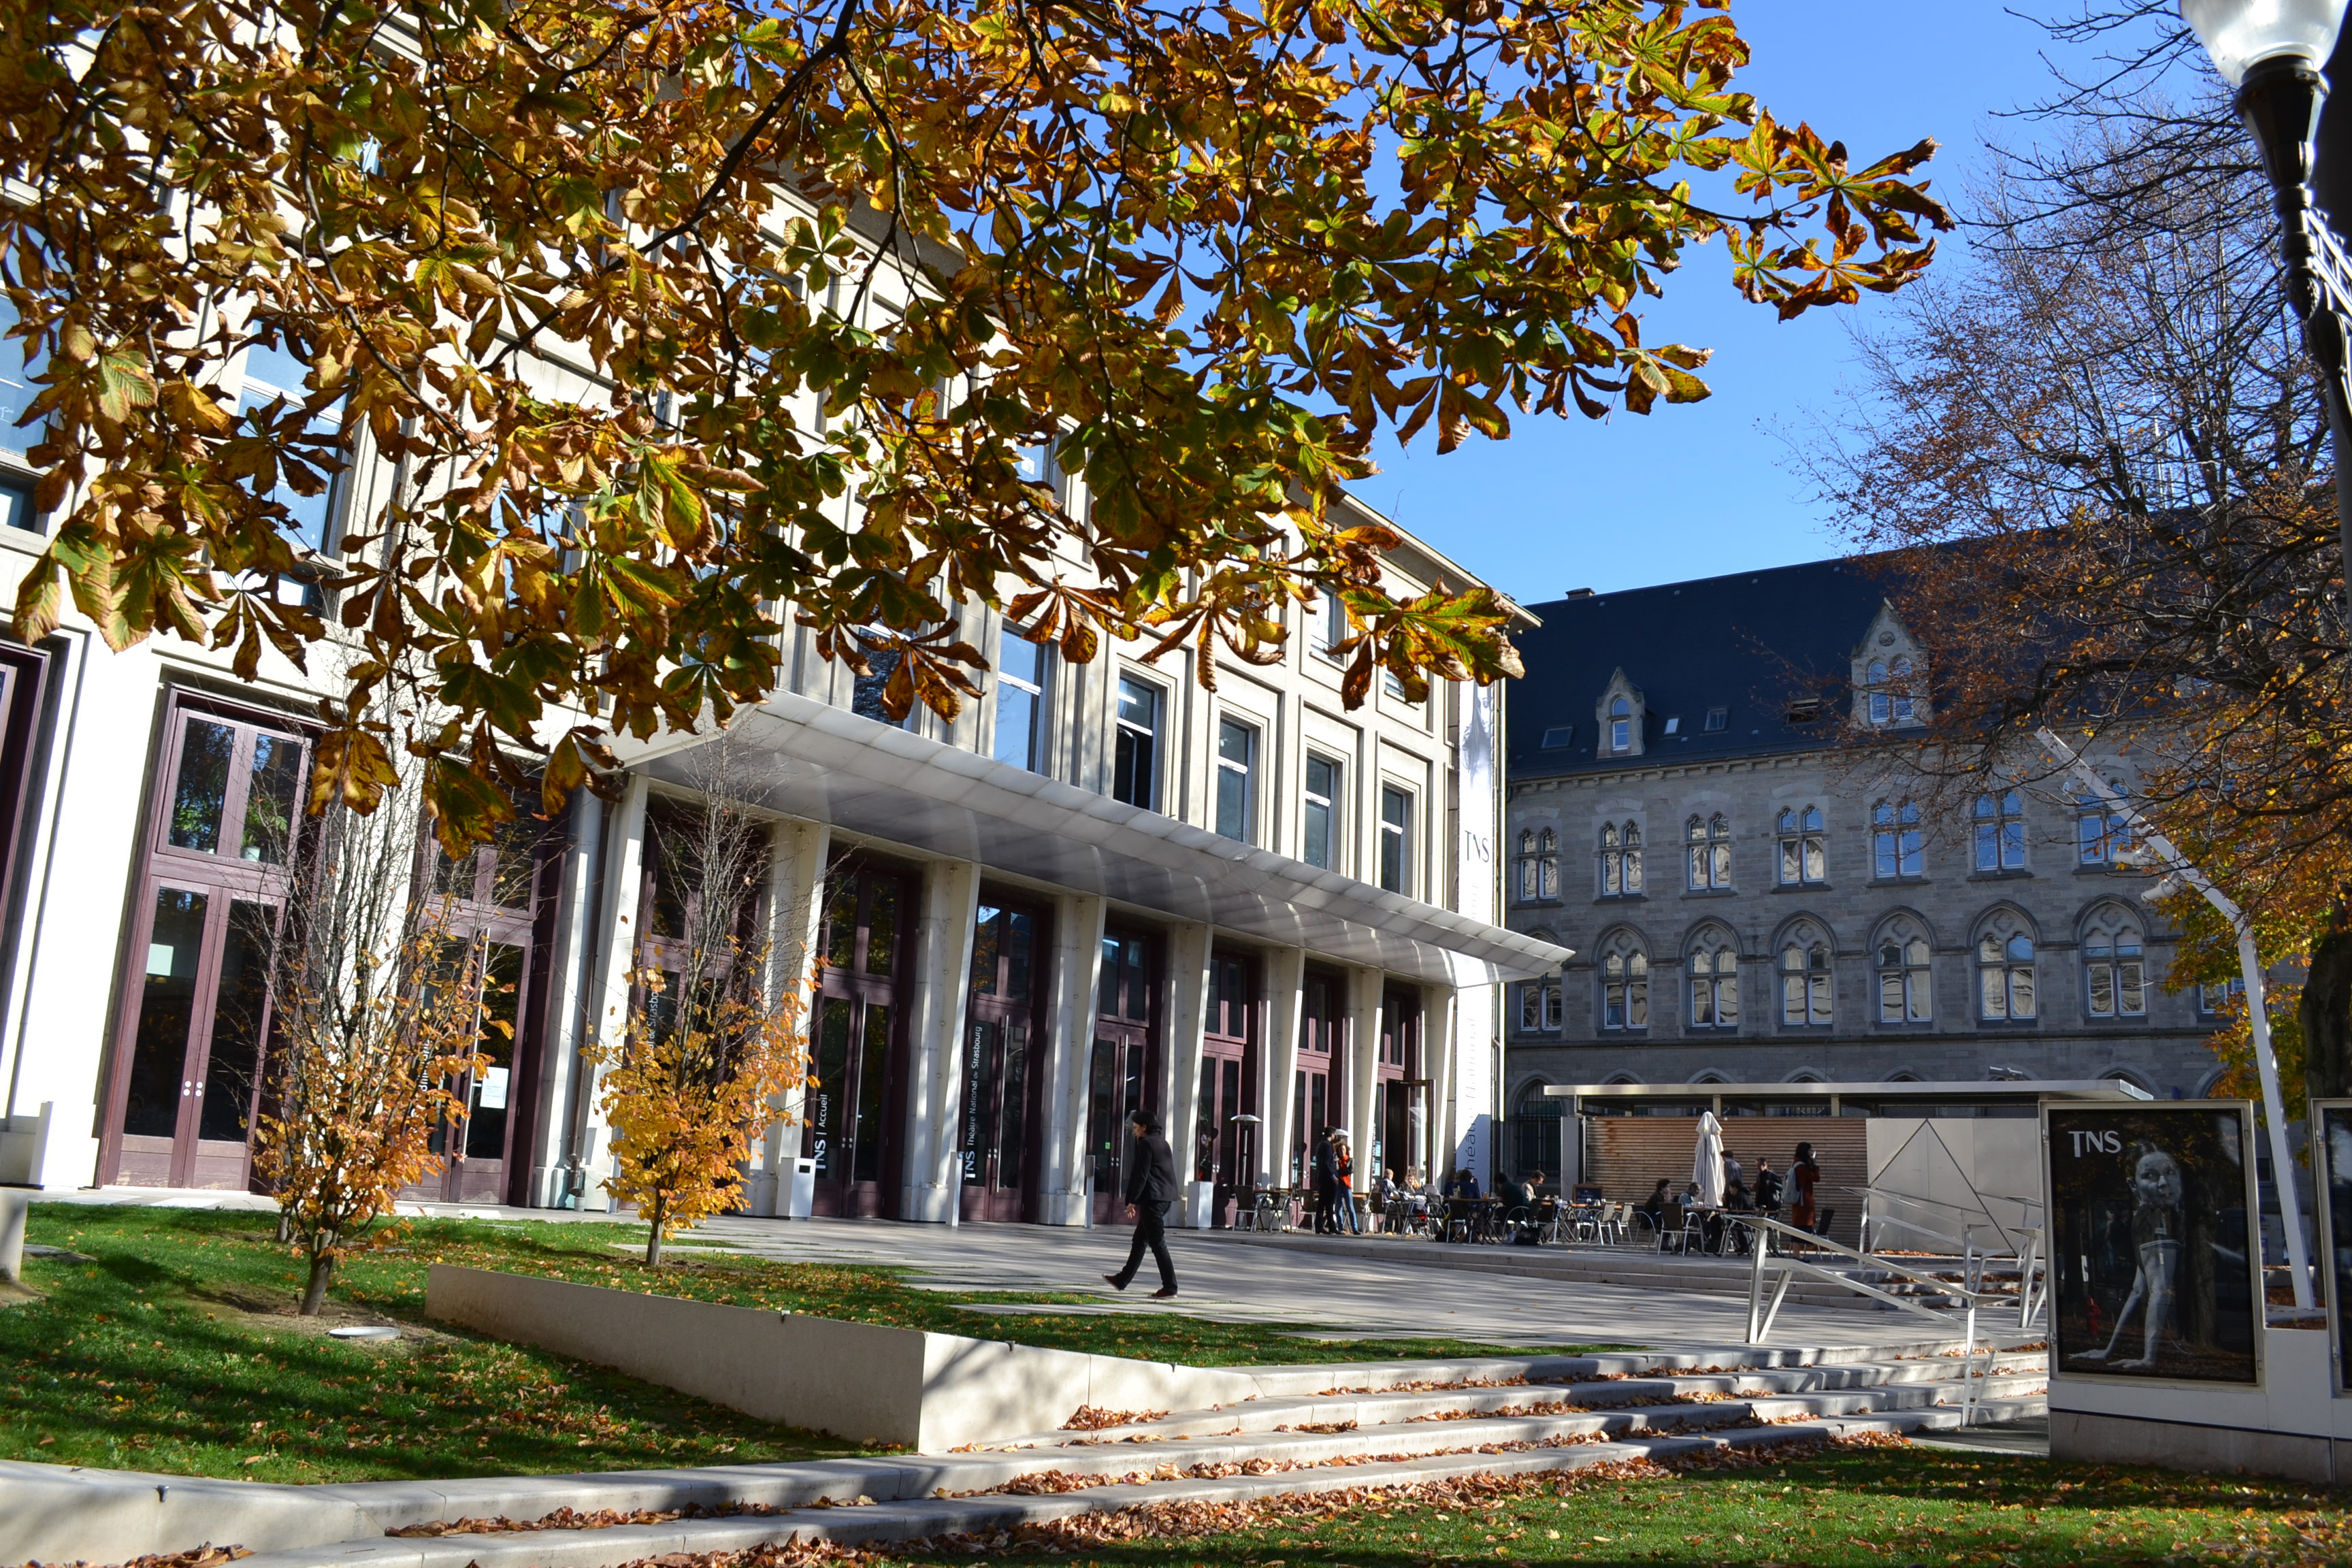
(1150, 1187)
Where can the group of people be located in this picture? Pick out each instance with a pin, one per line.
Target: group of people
(1667, 1208)
(1400, 1202)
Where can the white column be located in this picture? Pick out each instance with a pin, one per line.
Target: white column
(573, 967)
(796, 862)
(1286, 982)
(616, 940)
(1363, 1061)
(1188, 947)
(932, 1181)
(1440, 1038)
(1475, 1091)
(1076, 970)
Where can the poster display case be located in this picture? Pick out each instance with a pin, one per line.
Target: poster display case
(2154, 1251)
(2331, 1171)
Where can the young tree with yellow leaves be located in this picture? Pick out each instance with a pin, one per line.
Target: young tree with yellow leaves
(377, 1015)
(715, 1027)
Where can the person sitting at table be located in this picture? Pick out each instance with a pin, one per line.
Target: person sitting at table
(1519, 1205)
(1656, 1205)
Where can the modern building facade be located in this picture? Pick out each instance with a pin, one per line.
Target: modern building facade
(1753, 897)
(1250, 911)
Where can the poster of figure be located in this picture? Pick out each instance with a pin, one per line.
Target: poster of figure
(2156, 1275)
(2331, 1121)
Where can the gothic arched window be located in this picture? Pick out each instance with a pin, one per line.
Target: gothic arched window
(2005, 969)
(1624, 984)
(1905, 993)
(2114, 971)
(1713, 966)
(1808, 986)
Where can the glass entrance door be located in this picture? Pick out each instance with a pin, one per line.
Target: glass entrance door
(1316, 1089)
(193, 1032)
(1396, 1117)
(1220, 1151)
(1123, 1068)
(1000, 1083)
(854, 1097)
(194, 1073)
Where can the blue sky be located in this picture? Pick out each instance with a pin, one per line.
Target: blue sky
(1698, 489)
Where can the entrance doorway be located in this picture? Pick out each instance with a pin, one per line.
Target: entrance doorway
(1318, 1090)
(1124, 1062)
(1004, 1025)
(856, 1098)
(193, 1032)
(493, 894)
(1400, 1111)
(1221, 1148)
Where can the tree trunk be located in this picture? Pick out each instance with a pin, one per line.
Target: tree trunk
(653, 1242)
(314, 1294)
(2326, 1013)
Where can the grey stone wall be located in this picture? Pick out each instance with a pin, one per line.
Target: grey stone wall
(2055, 898)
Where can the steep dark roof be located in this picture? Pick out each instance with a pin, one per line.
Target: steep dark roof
(1747, 643)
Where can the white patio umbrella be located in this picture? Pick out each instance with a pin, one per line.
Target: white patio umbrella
(1706, 1165)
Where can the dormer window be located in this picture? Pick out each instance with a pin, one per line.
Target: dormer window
(1620, 715)
(1620, 725)
(1890, 691)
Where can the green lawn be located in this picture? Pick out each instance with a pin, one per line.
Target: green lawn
(174, 1352)
(1847, 1505)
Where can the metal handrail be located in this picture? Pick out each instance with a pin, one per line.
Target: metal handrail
(1760, 1316)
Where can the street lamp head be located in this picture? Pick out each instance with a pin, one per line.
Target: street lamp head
(2242, 34)
(2168, 887)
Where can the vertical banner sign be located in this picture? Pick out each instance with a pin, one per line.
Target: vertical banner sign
(1478, 895)
(2154, 1252)
(2331, 1140)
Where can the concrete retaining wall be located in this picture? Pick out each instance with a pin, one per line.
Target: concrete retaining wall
(860, 1381)
(2290, 1424)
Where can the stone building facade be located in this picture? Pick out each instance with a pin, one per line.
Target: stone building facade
(1253, 911)
(1752, 897)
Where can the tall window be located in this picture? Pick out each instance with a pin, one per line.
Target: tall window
(1330, 624)
(1134, 766)
(1714, 969)
(1236, 778)
(17, 390)
(2115, 972)
(1620, 725)
(273, 386)
(1539, 865)
(1539, 1006)
(1621, 860)
(1021, 712)
(1624, 985)
(1318, 836)
(2005, 970)
(1896, 840)
(2100, 829)
(1804, 848)
(1396, 840)
(2215, 1000)
(1905, 995)
(2000, 831)
(1808, 987)
(1890, 691)
(1709, 844)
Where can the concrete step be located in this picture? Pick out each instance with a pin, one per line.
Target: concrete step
(883, 1522)
(1394, 1406)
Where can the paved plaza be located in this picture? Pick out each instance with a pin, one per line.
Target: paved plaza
(1286, 1283)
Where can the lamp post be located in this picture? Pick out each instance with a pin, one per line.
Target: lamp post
(2271, 51)
(2179, 873)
